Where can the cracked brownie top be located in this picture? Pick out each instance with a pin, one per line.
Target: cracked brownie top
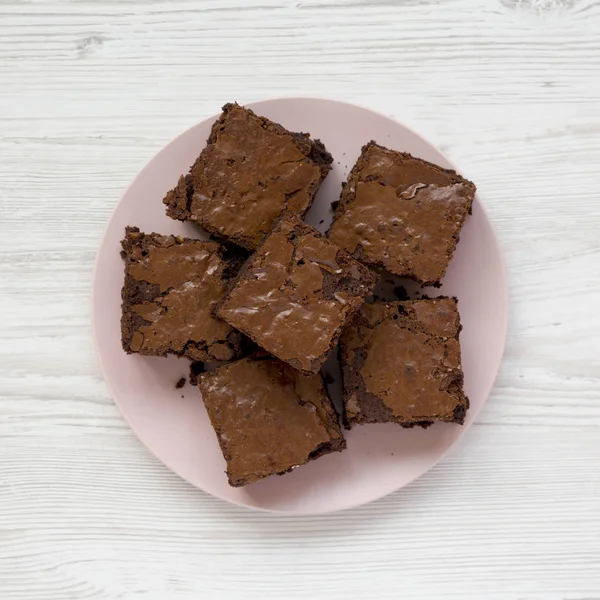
(401, 213)
(295, 293)
(251, 170)
(171, 287)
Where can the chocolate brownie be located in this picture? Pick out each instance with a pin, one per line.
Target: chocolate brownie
(295, 293)
(268, 417)
(401, 213)
(401, 363)
(251, 170)
(171, 287)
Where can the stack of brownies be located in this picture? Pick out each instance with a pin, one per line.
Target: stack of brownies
(267, 301)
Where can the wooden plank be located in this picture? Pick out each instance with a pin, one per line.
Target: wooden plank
(90, 91)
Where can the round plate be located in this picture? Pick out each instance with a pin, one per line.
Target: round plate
(173, 423)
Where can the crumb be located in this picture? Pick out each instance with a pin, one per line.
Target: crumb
(321, 221)
(400, 292)
(196, 368)
(180, 383)
(182, 395)
(335, 204)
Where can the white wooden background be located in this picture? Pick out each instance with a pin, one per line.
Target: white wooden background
(91, 90)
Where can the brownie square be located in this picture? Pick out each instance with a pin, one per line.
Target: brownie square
(251, 170)
(401, 213)
(171, 287)
(268, 417)
(295, 293)
(401, 363)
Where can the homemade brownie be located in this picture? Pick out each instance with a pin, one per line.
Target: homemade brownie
(171, 287)
(294, 294)
(268, 417)
(401, 362)
(401, 213)
(251, 170)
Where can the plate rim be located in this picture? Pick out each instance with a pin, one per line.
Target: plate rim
(255, 106)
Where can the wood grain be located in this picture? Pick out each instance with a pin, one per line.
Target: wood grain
(90, 91)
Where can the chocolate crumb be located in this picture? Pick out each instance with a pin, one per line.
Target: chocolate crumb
(180, 383)
(321, 221)
(335, 204)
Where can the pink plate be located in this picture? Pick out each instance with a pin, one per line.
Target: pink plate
(173, 423)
